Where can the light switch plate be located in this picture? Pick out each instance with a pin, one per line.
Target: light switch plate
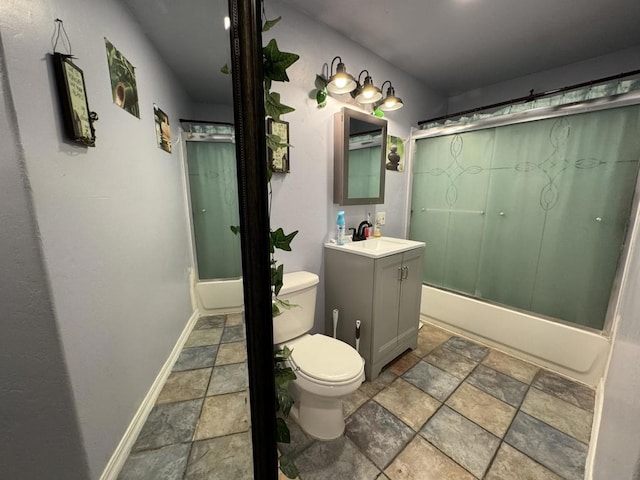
(380, 218)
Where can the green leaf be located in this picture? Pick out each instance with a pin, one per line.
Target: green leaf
(275, 62)
(284, 398)
(283, 376)
(273, 107)
(276, 278)
(268, 24)
(235, 229)
(282, 355)
(321, 82)
(282, 431)
(225, 69)
(281, 240)
(273, 141)
(286, 304)
(288, 467)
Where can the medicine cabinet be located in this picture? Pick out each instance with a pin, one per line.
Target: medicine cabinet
(359, 147)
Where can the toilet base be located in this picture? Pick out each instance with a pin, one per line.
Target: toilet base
(320, 417)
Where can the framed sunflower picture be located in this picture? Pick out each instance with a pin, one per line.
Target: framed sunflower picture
(279, 156)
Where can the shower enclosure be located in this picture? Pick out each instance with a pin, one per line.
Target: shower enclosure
(529, 215)
(213, 193)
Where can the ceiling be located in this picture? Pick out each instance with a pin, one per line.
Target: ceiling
(452, 46)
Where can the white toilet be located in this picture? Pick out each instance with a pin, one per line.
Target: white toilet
(326, 369)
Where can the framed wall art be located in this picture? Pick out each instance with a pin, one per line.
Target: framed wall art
(163, 130)
(279, 157)
(124, 87)
(74, 106)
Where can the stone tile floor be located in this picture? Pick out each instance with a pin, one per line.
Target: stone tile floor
(449, 410)
(199, 427)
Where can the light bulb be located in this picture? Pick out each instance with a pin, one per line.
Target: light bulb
(340, 82)
(367, 94)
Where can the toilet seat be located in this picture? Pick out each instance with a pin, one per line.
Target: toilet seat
(325, 360)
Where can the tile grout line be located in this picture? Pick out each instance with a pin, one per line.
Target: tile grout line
(442, 403)
(204, 397)
(502, 439)
(449, 396)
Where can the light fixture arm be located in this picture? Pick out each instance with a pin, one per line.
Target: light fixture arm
(337, 57)
(383, 83)
(360, 75)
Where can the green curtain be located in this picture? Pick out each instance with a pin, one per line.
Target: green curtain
(531, 215)
(214, 207)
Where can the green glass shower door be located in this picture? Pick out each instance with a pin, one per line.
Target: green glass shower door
(214, 208)
(530, 215)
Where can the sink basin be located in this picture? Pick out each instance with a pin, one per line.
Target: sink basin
(378, 247)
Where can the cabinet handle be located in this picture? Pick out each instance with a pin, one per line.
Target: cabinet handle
(406, 272)
(400, 273)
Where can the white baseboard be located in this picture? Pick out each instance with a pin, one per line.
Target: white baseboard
(595, 431)
(116, 462)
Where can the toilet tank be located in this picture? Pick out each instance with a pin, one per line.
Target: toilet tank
(299, 288)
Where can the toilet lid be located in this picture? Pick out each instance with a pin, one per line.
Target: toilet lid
(326, 358)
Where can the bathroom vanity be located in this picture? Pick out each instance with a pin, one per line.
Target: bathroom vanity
(379, 282)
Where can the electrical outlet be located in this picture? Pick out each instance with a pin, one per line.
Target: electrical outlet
(380, 218)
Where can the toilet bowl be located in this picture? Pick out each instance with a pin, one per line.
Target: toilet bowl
(326, 369)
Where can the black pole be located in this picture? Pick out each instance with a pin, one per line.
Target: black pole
(248, 95)
(532, 96)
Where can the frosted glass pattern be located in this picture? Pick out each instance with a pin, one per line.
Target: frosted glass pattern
(530, 215)
(214, 208)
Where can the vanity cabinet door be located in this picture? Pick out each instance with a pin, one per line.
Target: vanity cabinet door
(410, 295)
(388, 271)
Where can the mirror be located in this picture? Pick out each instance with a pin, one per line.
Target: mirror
(360, 142)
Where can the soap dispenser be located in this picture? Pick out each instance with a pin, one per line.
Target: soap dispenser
(376, 229)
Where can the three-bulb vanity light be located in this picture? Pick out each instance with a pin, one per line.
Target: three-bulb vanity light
(366, 92)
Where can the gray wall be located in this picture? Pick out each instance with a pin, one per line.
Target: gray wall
(113, 234)
(36, 401)
(618, 442)
(303, 199)
(617, 452)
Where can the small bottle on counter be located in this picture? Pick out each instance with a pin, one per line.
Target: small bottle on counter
(340, 224)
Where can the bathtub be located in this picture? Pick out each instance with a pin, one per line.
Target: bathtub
(573, 352)
(219, 296)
